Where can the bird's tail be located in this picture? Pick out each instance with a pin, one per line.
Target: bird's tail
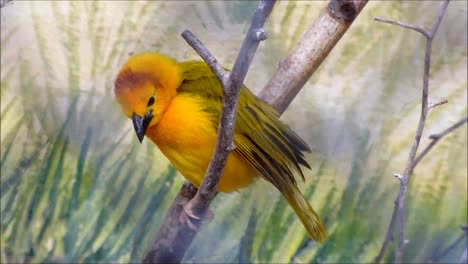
(306, 213)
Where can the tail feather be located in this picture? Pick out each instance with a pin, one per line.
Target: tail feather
(306, 213)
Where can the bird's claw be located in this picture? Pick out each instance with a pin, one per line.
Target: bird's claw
(187, 216)
(191, 220)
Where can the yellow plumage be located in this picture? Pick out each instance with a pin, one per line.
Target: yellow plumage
(177, 106)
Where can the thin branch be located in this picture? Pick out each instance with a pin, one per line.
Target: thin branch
(231, 89)
(436, 138)
(439, 18)
(405, 25)
(436, 104)
(329, 27)
(389, 235)
(451, 247)
(162, 249)
(400, 200)
(215, 67)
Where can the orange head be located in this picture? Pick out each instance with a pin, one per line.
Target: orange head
(144, 88)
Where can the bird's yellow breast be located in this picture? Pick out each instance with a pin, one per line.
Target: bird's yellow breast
(186, 136)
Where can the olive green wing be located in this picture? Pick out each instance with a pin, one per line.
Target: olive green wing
(270, 146)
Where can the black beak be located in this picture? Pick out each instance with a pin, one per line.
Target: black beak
(141, 124)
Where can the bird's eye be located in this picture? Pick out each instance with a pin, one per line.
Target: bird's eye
(151, 101)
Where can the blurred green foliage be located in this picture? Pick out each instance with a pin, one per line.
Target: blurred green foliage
(77, 187)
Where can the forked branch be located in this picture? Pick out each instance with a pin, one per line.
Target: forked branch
(231, 83)
(399, 211)
(436, 138)
(167, 247)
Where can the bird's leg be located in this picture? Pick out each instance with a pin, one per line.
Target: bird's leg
(189, 218)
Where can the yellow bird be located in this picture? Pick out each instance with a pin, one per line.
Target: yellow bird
(177, 105)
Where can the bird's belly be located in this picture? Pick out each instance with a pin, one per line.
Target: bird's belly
(186, 136)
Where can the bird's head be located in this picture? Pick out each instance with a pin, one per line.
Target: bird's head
(144, 88)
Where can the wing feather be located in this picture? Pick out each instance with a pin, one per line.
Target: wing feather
(270, 146)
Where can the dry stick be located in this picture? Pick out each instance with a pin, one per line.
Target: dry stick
(436, 138)
(231, 83)
(173, 238)
(451, 246)
(435, 104)
(166, 248)
(398, 212)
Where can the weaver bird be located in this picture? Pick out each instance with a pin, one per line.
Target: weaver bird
(177, 105)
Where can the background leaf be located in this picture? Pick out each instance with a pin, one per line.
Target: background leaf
(77, 187)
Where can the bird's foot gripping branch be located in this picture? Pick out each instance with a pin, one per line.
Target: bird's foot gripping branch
(191, 220)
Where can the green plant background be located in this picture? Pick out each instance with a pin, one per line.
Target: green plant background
(76, 186)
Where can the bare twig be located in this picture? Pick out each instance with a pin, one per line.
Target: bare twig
(329, 28)
(389, 235)
(401, 24)
(436, 138)
(400, 200)
(435, 104)
(452, 246)
(231, 83)
(215, 67)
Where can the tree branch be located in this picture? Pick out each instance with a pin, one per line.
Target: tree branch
(206, 55)
(161, 251)
(435, 104)
(170, 246)
(437, 257)
(436, 138)
(400, 200)
(314, 46)
(331, 25)
(405, 25)
(231, 83)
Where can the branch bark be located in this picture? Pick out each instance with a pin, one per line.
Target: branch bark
(436, 138)
(167, 247)
(231, 83)
(173, 238)
(399, 211)
(312, 49)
